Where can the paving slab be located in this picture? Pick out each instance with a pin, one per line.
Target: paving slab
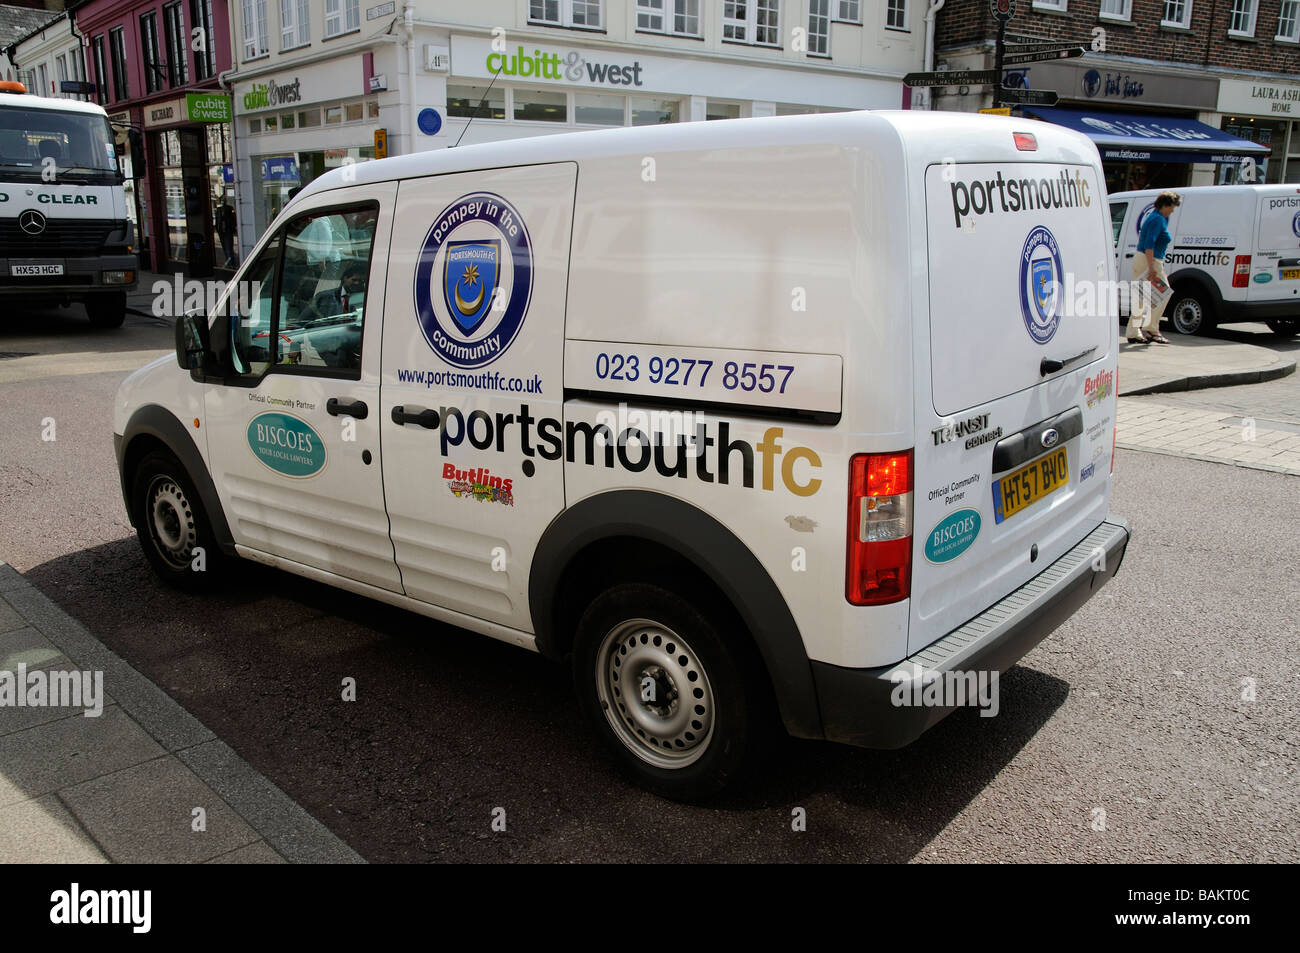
(42, 831)
(1191, 363)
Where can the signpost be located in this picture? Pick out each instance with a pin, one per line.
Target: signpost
(952, 77)
(1029, 97)
(1002, 10)
(1014, 56)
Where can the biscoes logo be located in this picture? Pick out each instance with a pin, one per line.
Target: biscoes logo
(474, 280)
(1098, 388)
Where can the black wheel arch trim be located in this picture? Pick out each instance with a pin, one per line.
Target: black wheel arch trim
(711, 548)
(1204, 281)
(161, 424)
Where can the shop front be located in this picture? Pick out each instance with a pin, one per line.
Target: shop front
(1268, 114)
(1128, 110)
(296, 125)
(191, 184)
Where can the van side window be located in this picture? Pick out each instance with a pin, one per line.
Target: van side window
(1117, 210)
(252, 313)
(323, 289)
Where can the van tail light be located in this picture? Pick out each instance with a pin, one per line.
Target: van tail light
(1241, 272)
(880, 528)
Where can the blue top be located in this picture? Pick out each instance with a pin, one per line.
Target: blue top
(1155, 234)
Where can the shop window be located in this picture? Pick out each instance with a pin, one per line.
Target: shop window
(205, 55)
(716, 110)
(677, 17)
(793, 109)
(848, 11)
(295, 24)
(153, 73)
(1117, 9)
(1241, 21)
(333, 115)
(572, 13)
(255, 28)
(595, 109)
(463, 102)
(308, 118)
(1177, 13)
(372, 109)
(342, 16)
(752, 21)
(352, 112)
(254, 127)
(271, 123)
(287, 120)
(819, 27)
(117, 52)
(541, 105)
(654, 112)
(896, 15)
(178, 71)
(1288, 22)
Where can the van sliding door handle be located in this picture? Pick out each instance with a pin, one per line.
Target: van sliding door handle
(428, 419)
(357, 409)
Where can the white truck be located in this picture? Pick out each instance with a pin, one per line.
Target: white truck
(64, 232)
(1235, 254)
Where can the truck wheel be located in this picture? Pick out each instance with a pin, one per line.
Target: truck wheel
(1284, 326)
(171, 523)
(1189, 312)
(669, 696)
(107, 310)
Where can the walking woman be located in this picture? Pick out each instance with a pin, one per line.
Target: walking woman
(1149, 265)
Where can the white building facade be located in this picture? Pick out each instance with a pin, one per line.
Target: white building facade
(315, 80)
(49, 57)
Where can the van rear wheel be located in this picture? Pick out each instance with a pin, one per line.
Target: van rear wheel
(670, 698)
(171, 524)
(1189, 312)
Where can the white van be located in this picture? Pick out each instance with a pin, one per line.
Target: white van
(753, 420)
(1235, 254)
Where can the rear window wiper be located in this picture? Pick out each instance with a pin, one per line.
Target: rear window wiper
(1050, 365)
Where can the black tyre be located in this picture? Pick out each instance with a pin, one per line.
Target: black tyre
(674, 696)
(1284, 326)
(171, 523)
(1189, 311)
(107, 310)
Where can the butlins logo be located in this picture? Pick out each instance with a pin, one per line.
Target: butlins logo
(1040, 284)
(474, 280)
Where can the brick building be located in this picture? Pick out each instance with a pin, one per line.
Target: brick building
(1154, 70)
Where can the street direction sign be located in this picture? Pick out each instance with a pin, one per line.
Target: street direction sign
(1014, 56)
(1029, 97)
(952, 77)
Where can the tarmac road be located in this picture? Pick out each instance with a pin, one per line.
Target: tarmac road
(1133, 708)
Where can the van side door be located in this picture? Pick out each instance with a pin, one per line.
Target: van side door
(472, 382)
(293, 434)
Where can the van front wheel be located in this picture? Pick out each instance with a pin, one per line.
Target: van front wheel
(171, 523)
(665, 691)
(1189, 313)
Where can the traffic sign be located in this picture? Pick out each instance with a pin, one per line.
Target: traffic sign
(952, 77)
(1029, 97)
(1015, 56)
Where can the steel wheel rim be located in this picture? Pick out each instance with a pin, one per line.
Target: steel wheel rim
(655, 693)
(171, 522)
(1187, 315)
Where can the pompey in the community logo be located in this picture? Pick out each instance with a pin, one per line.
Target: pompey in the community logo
(1040, 284)
(474, 280)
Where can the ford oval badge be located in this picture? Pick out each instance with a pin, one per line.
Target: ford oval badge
(1050, 437)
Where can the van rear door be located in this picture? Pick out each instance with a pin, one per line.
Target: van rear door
(1013, 442)
(1275, 269)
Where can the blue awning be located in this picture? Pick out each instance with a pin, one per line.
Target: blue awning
(1130, 137)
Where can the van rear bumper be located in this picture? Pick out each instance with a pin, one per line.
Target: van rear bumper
(856, 705)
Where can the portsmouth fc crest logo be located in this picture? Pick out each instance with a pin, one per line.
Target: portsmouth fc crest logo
(1040, 284)
(474, 280)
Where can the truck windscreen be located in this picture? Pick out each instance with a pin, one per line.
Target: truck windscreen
(73, 147)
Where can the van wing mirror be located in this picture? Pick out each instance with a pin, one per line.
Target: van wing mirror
(192, 341)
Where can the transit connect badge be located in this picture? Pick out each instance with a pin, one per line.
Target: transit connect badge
(474, 280)
(286, 444)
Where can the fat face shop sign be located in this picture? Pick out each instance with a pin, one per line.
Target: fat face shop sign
(269, 94)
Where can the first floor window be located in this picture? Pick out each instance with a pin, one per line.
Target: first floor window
(295, 24)
(850, 11)
(579, 13)
(819, 27)
(153, 75)
(1117, 9)
(752, 21)
(1177, 12)
(101, 70)
(255, 31)
(177, 44)
(681, 17)
(205, 55)
(117, 52)
(342, 16)
(896, 14)
(1242, 18)
(1288, 19)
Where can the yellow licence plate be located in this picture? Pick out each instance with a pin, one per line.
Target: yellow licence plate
(1029, 484)
(1290, 274)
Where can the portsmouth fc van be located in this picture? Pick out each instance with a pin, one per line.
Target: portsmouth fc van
(770, 423)
(1235, 254)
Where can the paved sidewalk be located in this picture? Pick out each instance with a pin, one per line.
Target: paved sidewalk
(123, 786)
(1190, 363)
(1206, 435)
